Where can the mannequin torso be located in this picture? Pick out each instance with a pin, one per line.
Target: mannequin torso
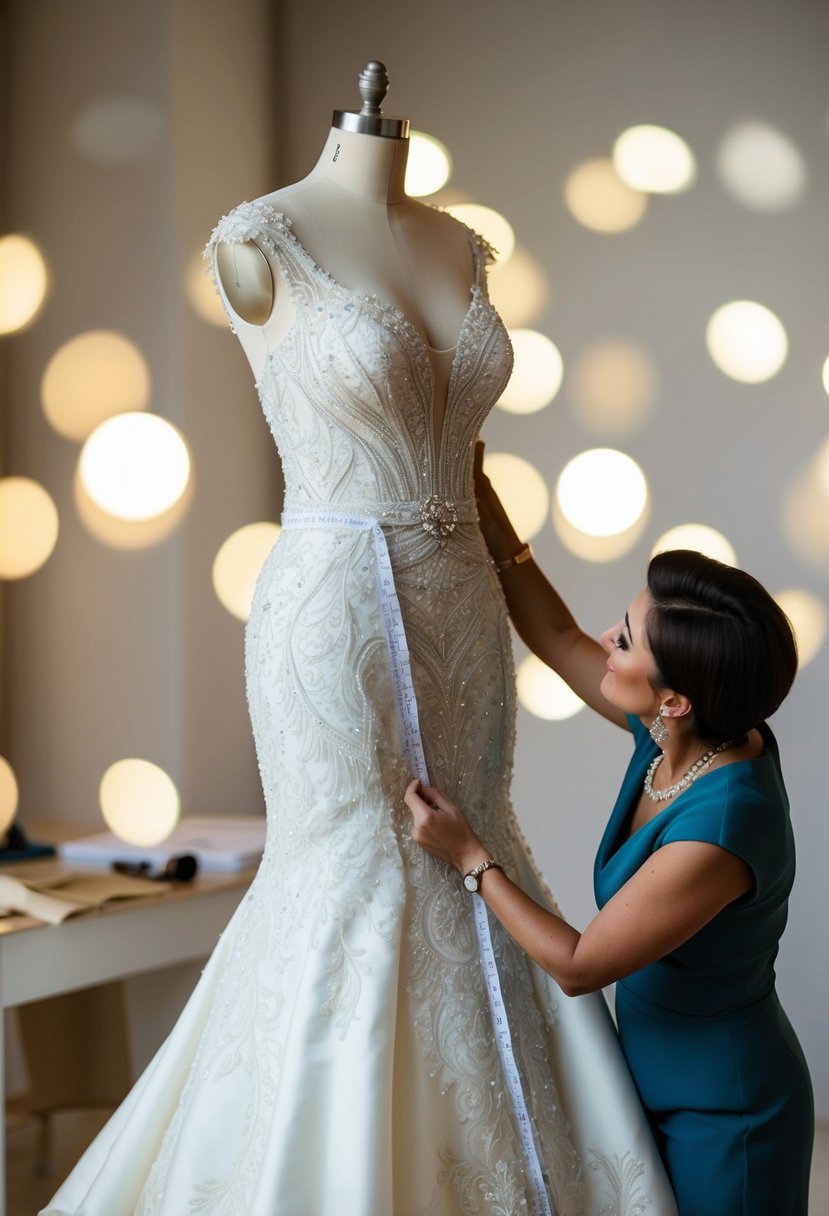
(353, 216)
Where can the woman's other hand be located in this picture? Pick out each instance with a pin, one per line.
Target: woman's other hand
(501, 538)
(442, 829)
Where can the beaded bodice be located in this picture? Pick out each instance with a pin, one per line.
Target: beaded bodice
(349, 391)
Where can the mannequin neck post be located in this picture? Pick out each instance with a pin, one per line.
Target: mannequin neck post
(371, 166)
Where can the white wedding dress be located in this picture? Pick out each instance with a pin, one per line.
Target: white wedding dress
(337, 1057)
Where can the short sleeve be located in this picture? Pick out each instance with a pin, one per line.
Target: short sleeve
(731, 809)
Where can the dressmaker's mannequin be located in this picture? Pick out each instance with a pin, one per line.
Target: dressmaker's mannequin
(338, 1053)
(353, 216)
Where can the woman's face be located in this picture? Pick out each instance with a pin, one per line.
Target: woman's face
(630, 664)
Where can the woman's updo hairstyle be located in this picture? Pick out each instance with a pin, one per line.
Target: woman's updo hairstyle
(719, 638)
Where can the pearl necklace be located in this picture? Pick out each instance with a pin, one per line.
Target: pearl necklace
(696, 770)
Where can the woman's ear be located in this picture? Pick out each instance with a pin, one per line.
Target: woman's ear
(674, 705)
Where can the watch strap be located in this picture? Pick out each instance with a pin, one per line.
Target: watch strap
(476, 873)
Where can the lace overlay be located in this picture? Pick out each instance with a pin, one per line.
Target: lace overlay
(339, 1054)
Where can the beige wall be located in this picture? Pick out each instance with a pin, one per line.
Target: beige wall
(111, 654)
(116, 653)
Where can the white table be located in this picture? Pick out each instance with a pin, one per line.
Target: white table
(124, 939)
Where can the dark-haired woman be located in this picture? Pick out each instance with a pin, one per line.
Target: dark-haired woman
(692, 874)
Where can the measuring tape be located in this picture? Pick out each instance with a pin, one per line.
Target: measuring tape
(500, 1023)
(404, 694)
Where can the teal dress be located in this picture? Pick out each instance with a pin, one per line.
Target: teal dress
(714, 1057)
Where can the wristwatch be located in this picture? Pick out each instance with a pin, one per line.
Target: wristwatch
(472, 880)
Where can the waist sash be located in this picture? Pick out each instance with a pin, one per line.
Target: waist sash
(434, 515)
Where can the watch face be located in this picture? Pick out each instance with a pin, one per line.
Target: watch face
(471, 882)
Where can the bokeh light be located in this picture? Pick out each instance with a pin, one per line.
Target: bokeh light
(237, 564)
(429, 166)
(135, 466)
(807, 614)
(8, 795)
(522, 490)
(654, 159)
(613, 386)
(592, 548)
(821, 466)
(760, 167)
(201, 293)
(24, 281)
(28, 526)
(601, 504)
(543, 692)
(536, 374)
(489, 224)
(806, 512)
(518, 289)
(701, 537)
(90, 378)
(118, 533)
(825, 375)
(116, 130)
(746, 341)
(602, 492)
(597, 197)
(139, 802)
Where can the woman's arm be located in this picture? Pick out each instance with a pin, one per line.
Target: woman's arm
(540, 616)
(678, 890)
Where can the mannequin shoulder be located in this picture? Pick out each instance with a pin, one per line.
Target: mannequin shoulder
(246, 279)
(432, 228)
(444, 223)
(466, 240)
(238, 249)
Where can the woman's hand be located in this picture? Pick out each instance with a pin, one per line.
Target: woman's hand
(483, 486)
(501, 538)
(440, 828)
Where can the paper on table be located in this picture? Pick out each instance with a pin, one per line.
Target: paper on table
(53, 900)
(218, 843)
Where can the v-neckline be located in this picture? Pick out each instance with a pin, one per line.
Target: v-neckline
(417, 340)
(617, 843)
(627, 811)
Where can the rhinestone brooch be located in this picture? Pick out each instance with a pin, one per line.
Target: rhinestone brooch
(439, 518)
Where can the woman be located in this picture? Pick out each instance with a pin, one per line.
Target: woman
(692, 874)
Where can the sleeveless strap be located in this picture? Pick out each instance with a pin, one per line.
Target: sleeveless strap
(483, 256)
(271, 231)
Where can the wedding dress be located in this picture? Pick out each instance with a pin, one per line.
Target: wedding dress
(337, 1057)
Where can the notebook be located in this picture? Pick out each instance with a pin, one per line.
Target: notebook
(218, 843)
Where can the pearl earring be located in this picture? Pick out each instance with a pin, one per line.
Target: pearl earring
(658, 729)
